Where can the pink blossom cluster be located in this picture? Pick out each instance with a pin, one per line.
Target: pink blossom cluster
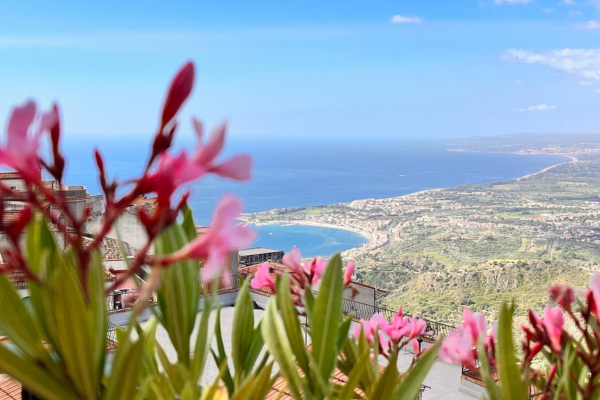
(304, 274)
(397, 332)
(166, 175)
(460, 346)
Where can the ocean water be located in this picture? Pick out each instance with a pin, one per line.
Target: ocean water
(303, 173)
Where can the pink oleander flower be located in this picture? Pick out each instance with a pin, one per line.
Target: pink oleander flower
(315, 268)
(458, 348)
(475, 321)
(222, 237)
(263, 278)
(563, 295)
(417, 328)
(595, 292)
(348, 273)
(237, 167)
(174, 171)
(22, 145)
(554, 322)
(293, 261)
(371, 326)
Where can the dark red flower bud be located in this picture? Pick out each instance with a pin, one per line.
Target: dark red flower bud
(58, 168)
(534, 350)
(180, 89)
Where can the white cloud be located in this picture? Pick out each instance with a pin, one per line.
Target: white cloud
(499, 2)
(405, 19)
(573, 13)
(589, 25)
(567, 2)
(586, 83)
(583, 63)
(539, 108)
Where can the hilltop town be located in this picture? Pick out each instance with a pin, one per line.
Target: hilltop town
(477, 245)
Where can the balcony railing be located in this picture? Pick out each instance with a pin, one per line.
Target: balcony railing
(366, 311)
(475, 377)
(125, 299)
(111, 337)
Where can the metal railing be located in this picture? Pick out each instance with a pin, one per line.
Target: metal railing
(366, 311)
(125, 299)
(111, 337)
(17, 278)
(475, 377)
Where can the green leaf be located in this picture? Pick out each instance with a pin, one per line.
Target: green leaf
(178, 294)
(221, 358)
(33, 377)
(256, 386)
(326, 317)
(279, 346)
(508, 371)
(17, 323)
(348, 390)
(490, 384)
(255, 348)
(389, 379)
(76, 328)
(202, 340)
(243, 323)
(411, 382)
(125, 371)
(291, 322)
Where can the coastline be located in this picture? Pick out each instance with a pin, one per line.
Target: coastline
(361, 232)
(370, 236)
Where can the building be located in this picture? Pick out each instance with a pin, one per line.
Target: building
(258, 255)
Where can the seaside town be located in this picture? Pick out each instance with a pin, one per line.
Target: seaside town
(442, 237)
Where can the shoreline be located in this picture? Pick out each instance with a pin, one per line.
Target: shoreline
(361, 232)
(369, 236)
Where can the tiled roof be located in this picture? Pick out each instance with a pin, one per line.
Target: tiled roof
(148, 204)
(10, 175)
(112, 250)
(9, 388)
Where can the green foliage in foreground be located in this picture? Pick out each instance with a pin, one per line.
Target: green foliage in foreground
(58, 342)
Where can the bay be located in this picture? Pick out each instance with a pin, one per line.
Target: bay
(296, 173)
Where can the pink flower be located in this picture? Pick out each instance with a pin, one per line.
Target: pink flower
(348, 273)
(315, 269)
(458, 348)
(595, 290)
(371, 327)
(21, 149)
(174, 171)
(223, 237)
(293, 261)
(416, 347)
(417, 328)
(263, 278)
(554, 321)
(237, 167)
(562, 295)
(171, 173)
(476, 322)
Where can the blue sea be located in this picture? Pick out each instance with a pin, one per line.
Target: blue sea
(302, 173)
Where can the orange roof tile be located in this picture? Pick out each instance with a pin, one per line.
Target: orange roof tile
(10, 175)
(9, 389)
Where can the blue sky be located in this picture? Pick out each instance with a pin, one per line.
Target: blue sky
(321, 69)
